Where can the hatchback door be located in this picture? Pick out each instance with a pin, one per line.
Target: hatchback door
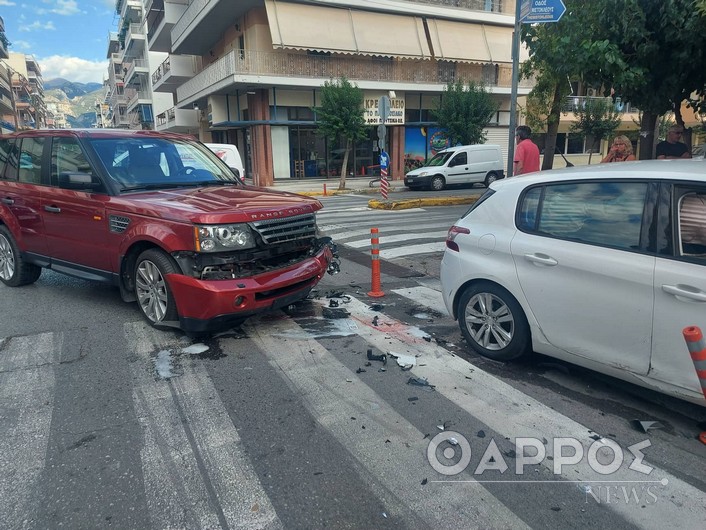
(578, 260)
(680, 290)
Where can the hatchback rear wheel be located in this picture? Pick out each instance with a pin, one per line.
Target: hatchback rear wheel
(493, 322)
(154, 298)
(14, 270)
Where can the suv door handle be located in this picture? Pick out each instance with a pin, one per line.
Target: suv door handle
(685, 291)
(541, 259)
(8, 200)
(53, 209)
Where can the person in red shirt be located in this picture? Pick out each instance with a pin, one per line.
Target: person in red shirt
(526, 152)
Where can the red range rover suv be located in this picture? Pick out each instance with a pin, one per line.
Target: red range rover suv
(159, 216)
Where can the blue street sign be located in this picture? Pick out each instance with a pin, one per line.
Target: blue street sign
(384, 160)
(542, 11)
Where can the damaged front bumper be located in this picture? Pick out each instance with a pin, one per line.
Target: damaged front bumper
(211, 304)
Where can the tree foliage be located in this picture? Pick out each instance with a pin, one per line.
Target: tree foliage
(596, 119)
(464, 110)
(340, 116)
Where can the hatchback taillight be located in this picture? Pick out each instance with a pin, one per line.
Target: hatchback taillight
(453, 232)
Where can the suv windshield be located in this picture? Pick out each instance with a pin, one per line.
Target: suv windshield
(440, 159)
(154, 163)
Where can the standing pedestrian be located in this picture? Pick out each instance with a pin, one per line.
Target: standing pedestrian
(526, 152)
(672, 147)
(620, 151)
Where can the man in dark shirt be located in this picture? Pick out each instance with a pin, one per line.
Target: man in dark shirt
(672, 147)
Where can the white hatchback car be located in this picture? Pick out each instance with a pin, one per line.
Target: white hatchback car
(602, 267)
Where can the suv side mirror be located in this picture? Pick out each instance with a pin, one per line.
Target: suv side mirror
(79, 181)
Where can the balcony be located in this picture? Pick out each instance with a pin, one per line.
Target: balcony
(137, 72)
(177, 120)
(139, 97)
(6, 105)
(494, 6)
(242, 69)
(160, 23)
(113, 44)
(175, 71)
(203, 23)
(130, 10)
(134, 41)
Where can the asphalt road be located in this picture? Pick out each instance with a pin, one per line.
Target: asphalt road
(108, 423)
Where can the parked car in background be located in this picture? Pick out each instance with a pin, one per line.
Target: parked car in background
(231, 156)
(601, 266)
(698, 151)
(160, 217)
(465, 164)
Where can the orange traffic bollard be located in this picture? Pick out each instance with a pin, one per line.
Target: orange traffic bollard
(697, 348)
(324, 189)
(375, 289)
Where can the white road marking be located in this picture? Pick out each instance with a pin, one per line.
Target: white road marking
(425, 296)
(513, 414)
(407, 250)
(386, 239)
(395, 468)
(196, 474)
(27, 384)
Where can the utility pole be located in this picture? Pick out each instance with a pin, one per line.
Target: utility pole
(513, 92)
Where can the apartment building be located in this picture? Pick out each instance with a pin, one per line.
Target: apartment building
(25, 79)
(8, 121)
(128, 89)
(249, 73)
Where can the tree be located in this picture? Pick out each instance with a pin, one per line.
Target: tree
(569, 50)
(597, 119)
(464, 110)
(341, 116)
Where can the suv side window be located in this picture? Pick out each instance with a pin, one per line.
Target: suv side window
(5, 146)
(67, 157)
(13, 161)
(31, 160)
(692, 225)
(600, 213)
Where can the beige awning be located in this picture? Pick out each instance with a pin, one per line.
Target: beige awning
(471, 43)
(499, 41)
(310, 27)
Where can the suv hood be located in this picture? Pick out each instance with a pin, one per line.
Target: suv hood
(215, 205)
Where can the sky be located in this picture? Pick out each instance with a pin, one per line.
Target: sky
(68, 38)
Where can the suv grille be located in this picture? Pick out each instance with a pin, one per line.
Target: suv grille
(287, 229)
(118, 224)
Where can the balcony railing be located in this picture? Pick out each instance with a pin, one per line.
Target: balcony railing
(162, 70)
(574, 104)
(284, 64)
(495, 6)
(195, 7)
(166, 116)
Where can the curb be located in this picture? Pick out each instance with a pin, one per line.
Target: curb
(347, 191)
(417, 203)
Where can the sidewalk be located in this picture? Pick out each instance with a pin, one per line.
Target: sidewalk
(361, 185)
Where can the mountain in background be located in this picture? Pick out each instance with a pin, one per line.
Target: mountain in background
(76, 100)
(72, 90)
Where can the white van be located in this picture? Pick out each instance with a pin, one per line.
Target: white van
(464, 164)
(230, 155)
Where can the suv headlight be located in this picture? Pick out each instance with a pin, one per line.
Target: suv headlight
(221, 238)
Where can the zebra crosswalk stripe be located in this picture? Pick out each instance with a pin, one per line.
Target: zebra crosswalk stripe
(27, 384)
(313, 372)
(514, 414)
(196, 474)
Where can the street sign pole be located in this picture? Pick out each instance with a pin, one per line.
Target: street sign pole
(515, 80)
(384, 112)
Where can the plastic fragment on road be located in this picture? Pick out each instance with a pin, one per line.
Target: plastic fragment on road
(195, 349)
(382, 358)
(645, 426)
(419, 381)
(405, 361)
(334, 312)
